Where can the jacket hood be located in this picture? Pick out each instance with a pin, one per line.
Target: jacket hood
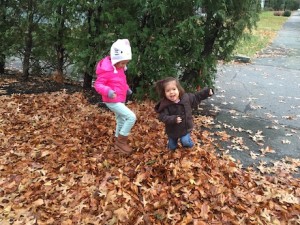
(105, 65)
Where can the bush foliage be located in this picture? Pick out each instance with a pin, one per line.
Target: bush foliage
(168, 38)
(287, 13)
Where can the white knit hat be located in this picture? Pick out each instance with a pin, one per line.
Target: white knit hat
(120, 50)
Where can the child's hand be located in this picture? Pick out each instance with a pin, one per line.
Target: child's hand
(129, 92)
(111, 94)
(178, 119)
(211, 92)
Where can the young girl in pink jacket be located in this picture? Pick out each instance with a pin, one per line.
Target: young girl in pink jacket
(112, 85)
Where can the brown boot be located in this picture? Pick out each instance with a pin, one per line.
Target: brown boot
(121, 144)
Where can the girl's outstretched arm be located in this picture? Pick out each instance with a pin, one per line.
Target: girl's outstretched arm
(201, 95)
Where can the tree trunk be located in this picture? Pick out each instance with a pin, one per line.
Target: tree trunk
(28, 42)
(93, 20)
(87, 81)
(3, 29)
(60, 57)
(60, 35)
(26, 62)
(2, 63)
(210, 39)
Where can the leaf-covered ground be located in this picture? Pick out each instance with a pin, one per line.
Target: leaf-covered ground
(58, 166)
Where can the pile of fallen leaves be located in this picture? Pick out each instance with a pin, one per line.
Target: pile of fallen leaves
(58, 166)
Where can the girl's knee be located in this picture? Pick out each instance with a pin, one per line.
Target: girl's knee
(187, 142)
(172, 144)
(132, 117)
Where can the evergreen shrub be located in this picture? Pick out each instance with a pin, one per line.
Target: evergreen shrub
(287, 13)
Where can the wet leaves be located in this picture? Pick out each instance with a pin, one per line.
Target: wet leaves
(58, 166)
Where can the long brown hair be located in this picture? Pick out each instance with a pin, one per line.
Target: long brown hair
(161, 84)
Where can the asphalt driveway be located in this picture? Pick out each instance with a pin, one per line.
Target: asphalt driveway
(258, 104)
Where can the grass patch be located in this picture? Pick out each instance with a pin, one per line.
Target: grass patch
(262, 36)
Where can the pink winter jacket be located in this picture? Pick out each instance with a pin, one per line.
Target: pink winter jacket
(107, 80)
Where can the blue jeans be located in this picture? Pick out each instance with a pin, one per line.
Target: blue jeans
(185, 140)
(125, 118)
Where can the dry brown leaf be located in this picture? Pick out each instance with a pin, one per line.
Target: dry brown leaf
(122, 214)
(57, 149)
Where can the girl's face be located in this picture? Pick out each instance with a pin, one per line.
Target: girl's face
(121, 64)
(171, 91)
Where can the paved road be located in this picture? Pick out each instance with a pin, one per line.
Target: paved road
(263, 97)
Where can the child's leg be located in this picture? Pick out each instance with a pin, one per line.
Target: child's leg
(172, 143)
(125, 119)
(187, 141)
(124, 116)
(119, 124)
